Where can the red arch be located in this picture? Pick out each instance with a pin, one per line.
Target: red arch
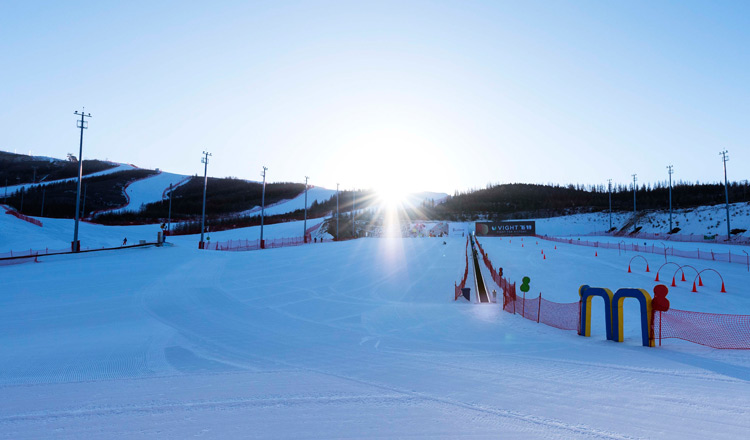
(697, 277)
(638, 256)
(670, 262)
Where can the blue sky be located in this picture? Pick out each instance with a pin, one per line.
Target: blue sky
(434, 95)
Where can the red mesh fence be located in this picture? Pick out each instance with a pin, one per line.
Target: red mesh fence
(32, 252)
(683, 238)
(25, 218)
(566, 316)
(727, 257)
(710, 329)
(459, 287)
(14, 261)
(252, 245)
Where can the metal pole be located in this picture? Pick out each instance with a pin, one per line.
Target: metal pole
(337, 211)
(169, 213)
(354, 201)
(304, 233)
(85, 190)
(726, 191)
(635, 219)
(609, 187)
(204, 159)
(262, 206)
(76, 245)
(671, 170)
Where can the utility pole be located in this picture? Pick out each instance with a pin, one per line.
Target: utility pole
(635, 219)
(725, 158)
(85, 190)
(671, 170)
(169, 213)
(83, 125)
(609, 189)
(263, 208)
(304, 233)
(204, 160)
(337, 212)
(354, 201)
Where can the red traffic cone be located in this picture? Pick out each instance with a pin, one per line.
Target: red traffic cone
(647, 269)
(683, 275)
(673, 283)
(555, 246)
(657, 276)
(723, 290)
(542, 250)
(545, 257)
(694, 289)
(629, 271)
(700, 281)
(521, 244)
(596, 254)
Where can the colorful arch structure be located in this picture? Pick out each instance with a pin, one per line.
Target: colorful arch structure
(644, 299)
(587, 293)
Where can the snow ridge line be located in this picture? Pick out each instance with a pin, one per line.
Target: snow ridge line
(175, 186)
(127, 197)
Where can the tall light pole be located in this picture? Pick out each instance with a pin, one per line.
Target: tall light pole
(354, 210)
(671, 170)
(609, 189)
(83, 125)
(725, 158)
(169, 213)
(304, 232)
(263, 208)
(337, 211)
(635, 219)
(204, 160)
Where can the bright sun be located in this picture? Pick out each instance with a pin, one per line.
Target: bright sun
(392, 196)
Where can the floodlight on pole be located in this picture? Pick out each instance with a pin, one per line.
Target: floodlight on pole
(609, 188)
(83, 125)
(635, 219)
(670, 169)
(304, 232)
(204, 160)
(263, 208)
(724, 159)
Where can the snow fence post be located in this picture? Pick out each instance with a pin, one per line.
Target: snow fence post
(539, 309)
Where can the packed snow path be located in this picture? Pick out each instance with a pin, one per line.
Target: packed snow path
(359, 339)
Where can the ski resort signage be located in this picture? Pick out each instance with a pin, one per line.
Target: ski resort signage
(505, 229)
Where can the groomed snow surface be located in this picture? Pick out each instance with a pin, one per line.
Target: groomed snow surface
(358, 339)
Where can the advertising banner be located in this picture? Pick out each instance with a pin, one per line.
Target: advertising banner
(506, 229)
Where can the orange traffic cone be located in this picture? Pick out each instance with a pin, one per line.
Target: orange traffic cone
(542, 250)
(700, 281)
(723, 290)
(545, 257)
(683, 275)
(673, 283)
(555, 246)
(647, 269)
(694, 289)
(596, 254)
(657, 276)
(629, 271)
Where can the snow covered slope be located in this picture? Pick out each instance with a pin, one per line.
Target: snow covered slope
(359, 339)
(703, 220)
(15, 188)
(151, 189)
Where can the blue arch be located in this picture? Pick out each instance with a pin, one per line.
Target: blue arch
(645, 301)
(587, 293)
